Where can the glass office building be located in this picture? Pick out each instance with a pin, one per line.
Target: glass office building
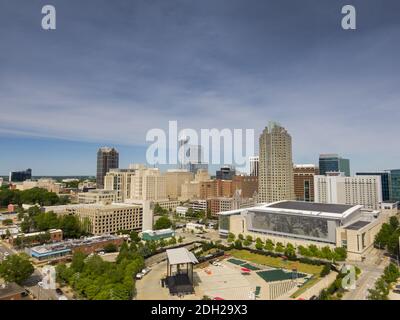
(333, 163)
(395, 184)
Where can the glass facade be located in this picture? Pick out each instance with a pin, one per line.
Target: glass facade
(395, 184)
(334, 163)
(292, 225)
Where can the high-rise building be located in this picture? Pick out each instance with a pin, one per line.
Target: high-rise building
(226, 173)
(254, 165)
(333, 163)
(394, 184)
(275, 177)
(385, 182)
(107, 158)
(20, 176)
(303, 175)
(190, 157)
(119, 180)
(358, 190)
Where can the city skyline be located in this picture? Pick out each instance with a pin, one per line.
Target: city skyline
(145, 64)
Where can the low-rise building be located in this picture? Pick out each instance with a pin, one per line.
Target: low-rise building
(155, 235)
(97, 196)
(54, 235)
(61, 250)
(11, 291)
(105, 218)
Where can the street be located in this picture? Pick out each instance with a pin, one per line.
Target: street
(31, 284)
(372, 269)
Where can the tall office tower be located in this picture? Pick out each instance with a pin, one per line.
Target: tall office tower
(226, 173)
(254, 166)
(333, 163)
(385, 182)
(303, 175)
(20, 176)
(107, 158)
(394, 184)
(358, 190)
(190, 157)
(275, 176)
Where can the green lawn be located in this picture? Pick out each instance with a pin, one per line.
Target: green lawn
(275, 262)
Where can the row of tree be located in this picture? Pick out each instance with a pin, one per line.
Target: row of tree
(384, 283)
(388, 237)
(337, 254)
(32, 196)
(34, 220)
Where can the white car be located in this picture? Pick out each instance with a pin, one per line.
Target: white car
(40, 284)
(139, 276)
(6, 254)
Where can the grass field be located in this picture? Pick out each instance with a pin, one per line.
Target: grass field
(275, 262)
(280, 263)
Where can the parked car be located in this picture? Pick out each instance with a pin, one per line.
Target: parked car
(59, 292)
(139, 276)
(314, 298)
(396, 291)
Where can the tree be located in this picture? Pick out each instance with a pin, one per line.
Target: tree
(163, 223)
(71, 226)
(391, 273)
(339, 254)
(326, 253)
(380, 291)
(134, 237)
(325, 270)
(303, 251)
(259, 245)
(7, 222)
(290, 250)
(238, 244)
(16, 268)
(269, 245)
(172, 241)
(110, 247)
(279, 247)
(231, 237)
(78, 261)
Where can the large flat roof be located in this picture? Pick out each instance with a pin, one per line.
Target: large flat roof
(311, 206)
(358, 225)
(322, 210)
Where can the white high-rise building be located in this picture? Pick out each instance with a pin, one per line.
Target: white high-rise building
(275, 177)
(357, 190)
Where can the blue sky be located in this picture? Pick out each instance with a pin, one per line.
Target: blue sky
(115, 69)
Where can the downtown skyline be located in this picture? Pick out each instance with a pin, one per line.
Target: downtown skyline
(107, 76)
